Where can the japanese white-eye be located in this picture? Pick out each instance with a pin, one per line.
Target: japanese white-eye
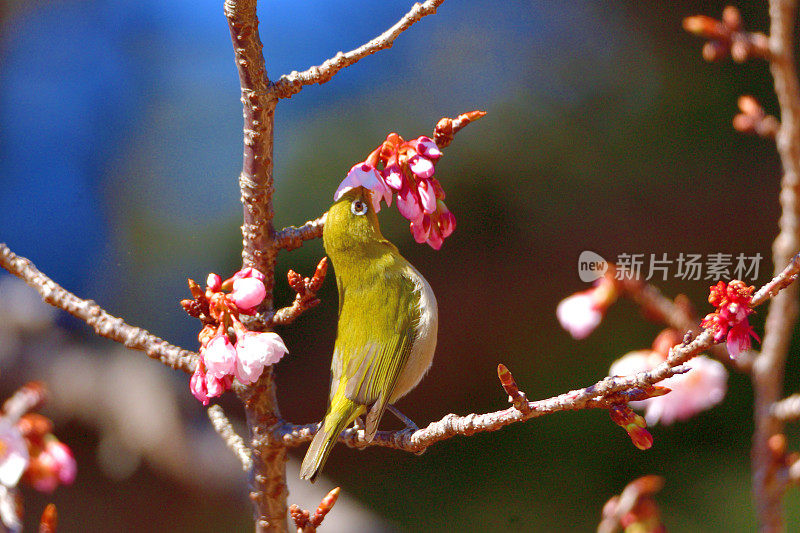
(387, 324)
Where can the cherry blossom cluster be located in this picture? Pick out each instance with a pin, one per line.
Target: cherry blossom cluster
(30, 452)
(701, 388)
(228, 350)
(405, 169)
(582, 312)
(729, 321)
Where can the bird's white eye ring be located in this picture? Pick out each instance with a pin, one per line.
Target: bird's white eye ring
(358, 207)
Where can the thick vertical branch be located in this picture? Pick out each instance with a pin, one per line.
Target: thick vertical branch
(268, 473)
(768, 371)
(258, 104)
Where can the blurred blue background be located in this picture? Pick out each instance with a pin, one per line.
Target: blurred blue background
(120, 148)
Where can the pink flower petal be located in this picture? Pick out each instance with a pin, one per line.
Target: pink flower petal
(409, 206)
(219, 358)
(447, 223)
(393, 177)
(198, 386)
(66, 466)
(427, 196)
(435, 239)
(247, 293)
(428, 148)
(254, 352)
(421, 228)
(13, 454)
(578, 314)
(248, 272)
(421, 166)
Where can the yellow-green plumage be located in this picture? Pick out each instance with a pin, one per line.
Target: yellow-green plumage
(387, 324)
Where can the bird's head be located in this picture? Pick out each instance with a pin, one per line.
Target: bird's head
(352, 225)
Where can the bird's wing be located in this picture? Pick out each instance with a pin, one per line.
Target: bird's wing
(365, 369)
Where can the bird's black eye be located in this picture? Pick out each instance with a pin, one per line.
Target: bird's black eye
(358, 207)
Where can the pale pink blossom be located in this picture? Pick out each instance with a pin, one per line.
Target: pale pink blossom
(254, 351)
(13, 454)
(580, 314)
(426, 147)
(219, 357)
(66, 466)
(699, 389)
(199, 386)
(365, 175)
(393, 175)
(422, 167)
(247, 294)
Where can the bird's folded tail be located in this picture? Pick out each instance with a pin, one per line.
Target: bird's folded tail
(340, 415)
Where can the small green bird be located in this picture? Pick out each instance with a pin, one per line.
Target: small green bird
(387, 324)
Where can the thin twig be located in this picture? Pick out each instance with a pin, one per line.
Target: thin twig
(293, 237)
(291, 84)
(306, 289)
(27, 398)
(232, 439)
(602, 394)
(103, 323)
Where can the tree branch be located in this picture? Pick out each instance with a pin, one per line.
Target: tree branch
(103, 323)
(293, 237)
(232, 439)
(293, 83)
(607, 392)
(770, 364)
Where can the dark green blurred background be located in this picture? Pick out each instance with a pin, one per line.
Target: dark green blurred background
(119, 155)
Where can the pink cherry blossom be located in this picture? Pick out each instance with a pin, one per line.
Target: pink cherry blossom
(738, 338)
(64, 461)
(393, 176)
(13, 454)
(579, 314)
(219, 357)
(247, 294)
(699, 389)
(199, 386)
(426, 147)
(365, 175)
(422, 167)
(254, 351)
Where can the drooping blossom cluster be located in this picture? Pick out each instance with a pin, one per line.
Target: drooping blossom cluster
(228, 349)
(701, 388)
(583, 311)
(406, 168)
(729, 321)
